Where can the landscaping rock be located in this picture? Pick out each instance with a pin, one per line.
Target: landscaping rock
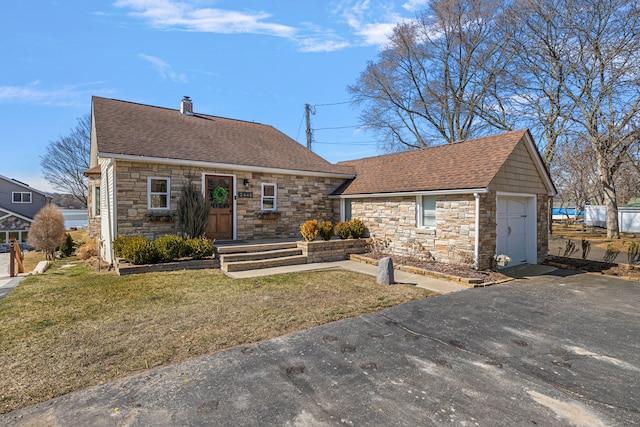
(385, 271)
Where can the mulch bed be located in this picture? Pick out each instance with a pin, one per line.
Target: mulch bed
(483, 276)
(606, 268)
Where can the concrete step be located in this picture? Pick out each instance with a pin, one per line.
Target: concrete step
(254, 256)
(263, 263)
(258, 247)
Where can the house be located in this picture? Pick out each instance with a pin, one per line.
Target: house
(460, 203)
(260, 183)
(19, 203)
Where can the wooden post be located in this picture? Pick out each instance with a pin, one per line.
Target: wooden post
(17, 255)
(12, 259)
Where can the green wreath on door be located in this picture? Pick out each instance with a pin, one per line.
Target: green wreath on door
(219, 194)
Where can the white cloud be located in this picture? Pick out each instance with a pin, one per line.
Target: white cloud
(372, 25)
(164, 68)
(64, 96)
(416, 5)
(181, 15)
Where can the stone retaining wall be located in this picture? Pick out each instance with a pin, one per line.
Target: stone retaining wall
(332, 250)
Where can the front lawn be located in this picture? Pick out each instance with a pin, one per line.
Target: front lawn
(71, 328)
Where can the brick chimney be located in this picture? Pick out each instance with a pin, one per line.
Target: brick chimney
(186, 106)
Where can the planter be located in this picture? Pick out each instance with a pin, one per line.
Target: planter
(124, 268)
(332, 250)
(268, 215)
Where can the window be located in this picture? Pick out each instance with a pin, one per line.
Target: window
(158, 193)
(269, 196)
(96, 200)
(18, 197)
(426, 211)
(347, 209)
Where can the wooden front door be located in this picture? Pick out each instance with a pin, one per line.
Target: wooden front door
(219, 193)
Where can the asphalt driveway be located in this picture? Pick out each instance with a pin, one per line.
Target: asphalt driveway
(558, 349)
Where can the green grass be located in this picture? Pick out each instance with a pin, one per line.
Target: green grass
(71, 328)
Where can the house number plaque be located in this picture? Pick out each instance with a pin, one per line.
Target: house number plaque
(245, 194)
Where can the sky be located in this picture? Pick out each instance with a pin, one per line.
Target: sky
(259, 61)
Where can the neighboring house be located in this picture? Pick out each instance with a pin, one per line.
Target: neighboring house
(19, 203)
(262, 184)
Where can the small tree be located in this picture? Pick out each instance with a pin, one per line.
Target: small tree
(47, 230)
(193, 212)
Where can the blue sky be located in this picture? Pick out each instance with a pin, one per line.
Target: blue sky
(244, 59)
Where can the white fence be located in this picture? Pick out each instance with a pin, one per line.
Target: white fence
(628, 218)
(595, 216)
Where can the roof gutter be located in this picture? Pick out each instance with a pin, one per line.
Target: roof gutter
(412, 193)
(246, 168)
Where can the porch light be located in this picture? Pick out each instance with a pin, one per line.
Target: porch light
(246, 182)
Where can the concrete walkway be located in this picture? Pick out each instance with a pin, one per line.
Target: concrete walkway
(7, 283)
(401, 277)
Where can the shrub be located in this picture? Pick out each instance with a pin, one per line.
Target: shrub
(357, 228)
(633, 253)
(342, 230)
(47, 230)
(586, 248)
(193, 212)
(169, 247)
(67, 246)
(198, 247)
(309, 230)
(135, 249)
(88, 250)
(325, 229)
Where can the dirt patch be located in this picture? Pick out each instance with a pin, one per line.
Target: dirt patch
(484, 276)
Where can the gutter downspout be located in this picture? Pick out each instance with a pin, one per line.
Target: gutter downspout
(476, 250)
(108, 194)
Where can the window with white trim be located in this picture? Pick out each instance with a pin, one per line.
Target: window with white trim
(21, 197)
(269, 197)
(96, 201)
(426, 212)
(347, 209)
(158, 193)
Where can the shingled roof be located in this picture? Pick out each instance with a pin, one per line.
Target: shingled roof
(129, 129)
(470, 164)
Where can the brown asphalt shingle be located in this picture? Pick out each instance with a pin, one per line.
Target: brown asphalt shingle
(462, 165)
(140, 130)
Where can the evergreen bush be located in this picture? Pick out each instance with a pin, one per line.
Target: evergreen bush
(198, 247)
(309, 230)
(67, 246)
(135, 249)
(325, 230)
(357, 228)
(342, 230)
(169, 247)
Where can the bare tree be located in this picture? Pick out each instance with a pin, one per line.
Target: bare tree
(575, 174)
(47, 230)
(603, 83)
(539, 47)
(436, 79)
(67, 158)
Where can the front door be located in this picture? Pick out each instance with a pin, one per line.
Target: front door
(219, 193)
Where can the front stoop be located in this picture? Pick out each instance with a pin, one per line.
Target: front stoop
(251, 257)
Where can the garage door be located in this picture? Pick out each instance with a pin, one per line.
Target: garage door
(512, 228)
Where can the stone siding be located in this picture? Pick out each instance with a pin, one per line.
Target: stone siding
(391, 223)
(299, 198)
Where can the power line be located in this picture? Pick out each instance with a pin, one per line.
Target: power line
(339, 127)
(334, 103)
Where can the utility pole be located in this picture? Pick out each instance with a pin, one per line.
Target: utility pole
(307, 112)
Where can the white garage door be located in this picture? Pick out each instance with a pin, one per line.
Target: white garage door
(512, 228)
